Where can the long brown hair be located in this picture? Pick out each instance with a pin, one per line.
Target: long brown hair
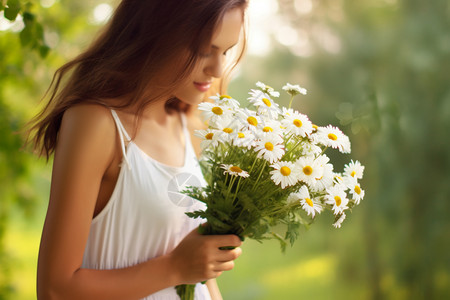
(134, 47)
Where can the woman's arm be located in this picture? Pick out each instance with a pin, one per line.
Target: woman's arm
(87, 145)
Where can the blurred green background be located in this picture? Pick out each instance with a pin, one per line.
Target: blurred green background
(378, 69)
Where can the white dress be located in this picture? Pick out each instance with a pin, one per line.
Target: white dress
(145, 216)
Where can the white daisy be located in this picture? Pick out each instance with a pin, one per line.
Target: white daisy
(248, 119)
(309, 170)
(338, 179)
(225, 100)
(294, 89)
(310, 206)
(331, 136)
(270, 148)
(326, 180)
(264, 103)
(298, 124)
(338, 220)
(244, 138)
(234, 170)
(284, 173)
(286, 111)
(338, 198)
(271, 126)
(355, 189)
(209, 137)
(226, 129)
(268, 89)
(212, 111)
(354, 169)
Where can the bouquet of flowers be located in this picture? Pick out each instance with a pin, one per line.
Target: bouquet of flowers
(267, 167)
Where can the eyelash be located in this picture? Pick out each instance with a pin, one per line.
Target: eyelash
(209, 54)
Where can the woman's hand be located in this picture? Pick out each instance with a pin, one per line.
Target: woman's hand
(198, 257)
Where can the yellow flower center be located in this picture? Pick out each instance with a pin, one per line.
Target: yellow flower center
(235, 169)
(315, 127)
(353, 173)
(267, 102)
(307, 170)
(332, 136)
(252, 121)
(217, 110)
(241, 135)
(225, 96)
(268, 146)
(209, 136)
(338, 200)
(297, 123)
(285, 171)
(227, 130)
(310, 203)
(357, 189)
(267, 129)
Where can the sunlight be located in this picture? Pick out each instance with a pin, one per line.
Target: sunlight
(101, 13)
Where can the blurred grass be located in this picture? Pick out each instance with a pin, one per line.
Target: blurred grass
(22, 245)
(311, 269)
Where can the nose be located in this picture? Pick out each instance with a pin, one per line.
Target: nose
(215, 66)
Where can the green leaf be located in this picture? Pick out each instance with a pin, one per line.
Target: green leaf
(44, 50)
(281, 240)
(26, 36)
(28, 17)
(12, 10)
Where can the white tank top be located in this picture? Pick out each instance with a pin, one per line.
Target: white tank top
(145, 216)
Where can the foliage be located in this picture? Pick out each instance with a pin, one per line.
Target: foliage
(267, 167)
(27, 65)
(276, 169)
(32, 35)
(388, 80)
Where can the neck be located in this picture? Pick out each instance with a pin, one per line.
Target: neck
(156, 111)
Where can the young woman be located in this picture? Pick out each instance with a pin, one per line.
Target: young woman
(118, 123)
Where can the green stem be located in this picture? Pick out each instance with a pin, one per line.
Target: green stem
(288, 139)
(232, 180)
(237, 189)
(186, 291)
(254, 162)
(296, 145)
(259, 176)
(290, 102)
(323, 151)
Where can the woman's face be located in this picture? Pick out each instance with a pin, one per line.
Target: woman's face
(210, 64)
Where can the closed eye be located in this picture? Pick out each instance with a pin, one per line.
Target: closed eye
(215, 48)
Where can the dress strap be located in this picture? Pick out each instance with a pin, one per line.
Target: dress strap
(122, 134)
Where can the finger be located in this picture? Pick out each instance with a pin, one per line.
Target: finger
(227, 240)
(224, 266)
(227, 255)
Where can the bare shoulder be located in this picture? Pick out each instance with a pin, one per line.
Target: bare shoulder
(83, 115)
(87, 128)
(88, 119)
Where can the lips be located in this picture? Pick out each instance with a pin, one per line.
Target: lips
(203, 86)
